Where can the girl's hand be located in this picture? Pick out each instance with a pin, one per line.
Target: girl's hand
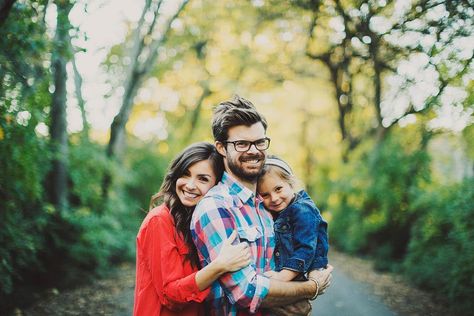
(233, 257)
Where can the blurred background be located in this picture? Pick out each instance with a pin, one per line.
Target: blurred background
(370, 101)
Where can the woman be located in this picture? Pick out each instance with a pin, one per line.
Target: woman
(168, 281)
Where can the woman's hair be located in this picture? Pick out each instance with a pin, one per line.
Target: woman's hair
(279, 167)
(181, 214)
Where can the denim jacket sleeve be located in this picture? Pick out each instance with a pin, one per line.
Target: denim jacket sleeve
(304, 223)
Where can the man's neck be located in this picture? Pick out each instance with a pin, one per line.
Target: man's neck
(252, 186)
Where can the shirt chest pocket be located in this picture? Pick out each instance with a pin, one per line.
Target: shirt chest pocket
(249, 234)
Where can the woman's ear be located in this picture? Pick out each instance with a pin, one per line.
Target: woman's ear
(220, 148)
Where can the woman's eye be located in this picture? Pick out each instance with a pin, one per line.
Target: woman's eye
(278, 189)
(204, 179)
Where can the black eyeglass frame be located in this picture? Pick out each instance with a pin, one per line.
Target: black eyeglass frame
(249, 144)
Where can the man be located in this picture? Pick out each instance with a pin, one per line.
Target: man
(240, 137)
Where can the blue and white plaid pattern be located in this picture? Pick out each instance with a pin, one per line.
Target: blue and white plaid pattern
(226, 207)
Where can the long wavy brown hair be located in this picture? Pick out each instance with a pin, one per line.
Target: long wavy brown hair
(167, 194)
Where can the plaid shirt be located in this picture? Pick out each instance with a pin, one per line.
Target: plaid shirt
(226, 207)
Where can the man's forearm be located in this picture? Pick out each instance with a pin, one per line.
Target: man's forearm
(282, 293)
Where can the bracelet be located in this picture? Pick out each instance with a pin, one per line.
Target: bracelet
(317, 288)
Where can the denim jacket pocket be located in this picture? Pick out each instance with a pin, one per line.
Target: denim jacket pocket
(282, 227)
(284, 242)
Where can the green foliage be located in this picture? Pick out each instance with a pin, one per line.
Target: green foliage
(43, 247)
(145, 172)
(22, 57)
(389, 208)
(441, 249)
(87, 163)
(376, 195)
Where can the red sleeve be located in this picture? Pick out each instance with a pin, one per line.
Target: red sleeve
(173, 279)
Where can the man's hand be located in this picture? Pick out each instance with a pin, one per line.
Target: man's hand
(300, 308)
(323, 278)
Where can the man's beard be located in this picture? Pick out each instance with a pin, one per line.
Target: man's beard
(241, 173)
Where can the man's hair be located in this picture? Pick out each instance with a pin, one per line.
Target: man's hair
(237, 111)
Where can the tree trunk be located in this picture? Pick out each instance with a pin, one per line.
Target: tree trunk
(144, 58)
(80, 99)
(308, 162)
(5, 8)
(59, 140)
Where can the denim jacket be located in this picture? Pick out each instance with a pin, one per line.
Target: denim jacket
(301, 236)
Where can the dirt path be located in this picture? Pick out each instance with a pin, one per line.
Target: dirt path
(373, 293)
(358, 276)
(110, 296)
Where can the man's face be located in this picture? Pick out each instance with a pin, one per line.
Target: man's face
(247, 165)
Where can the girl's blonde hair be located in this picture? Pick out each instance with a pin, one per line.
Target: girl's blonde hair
(279, 167)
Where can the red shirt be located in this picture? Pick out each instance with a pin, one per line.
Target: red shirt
(165, 281)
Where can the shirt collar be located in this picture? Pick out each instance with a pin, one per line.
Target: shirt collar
(235, 187)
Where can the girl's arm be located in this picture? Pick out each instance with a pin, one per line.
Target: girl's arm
(283, 275)
(304, 227)
(304, 224)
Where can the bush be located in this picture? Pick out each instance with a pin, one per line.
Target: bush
(372, 214)
(441, 249)
(22, 217)
(42, 248)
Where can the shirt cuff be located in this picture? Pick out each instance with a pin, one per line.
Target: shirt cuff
(261, 291)
(190, 291)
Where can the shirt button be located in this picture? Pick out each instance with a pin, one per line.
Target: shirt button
(277, 254)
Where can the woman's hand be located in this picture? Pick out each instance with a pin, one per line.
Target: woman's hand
(233, 257)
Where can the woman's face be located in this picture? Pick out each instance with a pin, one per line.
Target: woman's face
(195, 182)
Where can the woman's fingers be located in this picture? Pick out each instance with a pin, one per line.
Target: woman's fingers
(231, 237)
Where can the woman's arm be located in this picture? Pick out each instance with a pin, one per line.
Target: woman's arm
(230, 258)
(173, 280)
(171, 277)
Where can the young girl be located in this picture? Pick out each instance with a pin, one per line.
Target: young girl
(168, 279)
(300, 231)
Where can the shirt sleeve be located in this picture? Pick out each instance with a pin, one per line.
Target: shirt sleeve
(305, 224)
(175, 286)
(212, 223)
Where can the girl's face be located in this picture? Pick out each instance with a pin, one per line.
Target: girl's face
(276, 192)
(195, 182)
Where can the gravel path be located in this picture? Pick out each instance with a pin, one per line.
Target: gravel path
(357, 290)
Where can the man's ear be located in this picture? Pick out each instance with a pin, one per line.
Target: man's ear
(220, 148)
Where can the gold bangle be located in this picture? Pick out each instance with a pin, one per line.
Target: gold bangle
(317, 288)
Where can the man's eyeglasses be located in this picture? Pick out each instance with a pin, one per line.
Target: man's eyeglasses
(244, 145)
